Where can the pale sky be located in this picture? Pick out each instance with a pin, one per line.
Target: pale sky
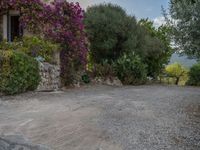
(140, 8)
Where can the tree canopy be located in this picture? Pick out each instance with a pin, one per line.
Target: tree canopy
(176, 70)
(184, 20)
(156, 49)
(110, 31)
(113, 33)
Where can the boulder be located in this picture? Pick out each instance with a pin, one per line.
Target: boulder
(114, 81)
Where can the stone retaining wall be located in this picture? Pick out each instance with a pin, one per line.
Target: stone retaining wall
(50, 77)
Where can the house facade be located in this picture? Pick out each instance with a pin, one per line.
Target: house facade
(9, 25)
(1, 27)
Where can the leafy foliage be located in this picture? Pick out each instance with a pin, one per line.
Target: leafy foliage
(130, 69)
(176, 71)
(155, 50)
(194, 75)
(185, 19)
(33, 46)
(104, 70)
(5, 45)
(19, 72)
(86, 78)
(111, 32)
(38, 47)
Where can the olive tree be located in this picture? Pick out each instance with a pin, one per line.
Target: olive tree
(176, 71)
(111, 32)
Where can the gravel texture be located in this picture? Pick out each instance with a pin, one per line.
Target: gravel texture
(153, 117)
(18, 142)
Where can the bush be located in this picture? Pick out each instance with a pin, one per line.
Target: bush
(4, 45)
(38, 47)
(104, 70)
(86, 78)
(111, 32)
(19, 72)
(176, 71)
(131, 70)
(194, 75)
(33, 46)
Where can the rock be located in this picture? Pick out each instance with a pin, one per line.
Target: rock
(117, 82)
(114, 81)
(18, 142)
(98, 80)
(1, 94)
(77, 85)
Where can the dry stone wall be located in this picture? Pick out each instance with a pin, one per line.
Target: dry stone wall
(50, 77)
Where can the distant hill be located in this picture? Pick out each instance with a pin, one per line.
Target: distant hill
(182, 60)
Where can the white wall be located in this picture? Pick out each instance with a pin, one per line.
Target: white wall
(4, 26)
(5, 21)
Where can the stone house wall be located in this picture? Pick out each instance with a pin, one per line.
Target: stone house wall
(50, 74)
(1, 27)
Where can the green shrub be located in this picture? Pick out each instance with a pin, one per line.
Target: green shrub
(33, 46)
(86, 78)
(19, 72)
(103, 70)
(4, 45)
(155, 47)
(36, 46)
(176, 71)
(131, 70)
(194, 75)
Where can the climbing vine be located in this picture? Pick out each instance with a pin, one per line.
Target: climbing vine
(61, 22)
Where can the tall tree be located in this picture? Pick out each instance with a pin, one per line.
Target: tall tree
(156, 47)
(185, 22)
(111, 32)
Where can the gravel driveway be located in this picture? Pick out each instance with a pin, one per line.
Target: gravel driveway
(153, 117)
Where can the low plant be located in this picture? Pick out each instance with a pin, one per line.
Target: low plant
(130, 69)
(33, 46)
(5, 45)
(19, 72)
(194, 75)
(176, 71)
(86, 78)
(38, 47)
(104, 70)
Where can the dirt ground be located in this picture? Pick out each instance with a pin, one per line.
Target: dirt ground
(150, 117)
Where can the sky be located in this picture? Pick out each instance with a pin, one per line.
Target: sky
(139, 8)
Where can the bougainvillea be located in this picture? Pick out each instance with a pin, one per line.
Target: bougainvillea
(60, 21)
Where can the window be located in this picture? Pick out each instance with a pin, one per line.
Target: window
(14, 28)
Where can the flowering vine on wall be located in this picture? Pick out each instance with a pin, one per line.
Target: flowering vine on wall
(59, 21)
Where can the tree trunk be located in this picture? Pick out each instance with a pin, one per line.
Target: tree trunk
(177, 80)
